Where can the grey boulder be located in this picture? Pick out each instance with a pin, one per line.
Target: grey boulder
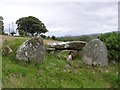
(31, 50)
(95, 53)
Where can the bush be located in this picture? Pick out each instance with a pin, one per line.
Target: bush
(112, 41)
(43, 36)
(85, 38)
(53, 37)
(22, 33)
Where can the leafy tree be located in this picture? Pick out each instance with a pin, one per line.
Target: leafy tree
(53, 37)
(22, 33)
(48, 37)
(1, 25)
(43, 36)
(30, 25)
(112, 41)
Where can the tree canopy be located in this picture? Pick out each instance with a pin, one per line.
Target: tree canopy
(1, 18)
(1, 25)
(30, 25)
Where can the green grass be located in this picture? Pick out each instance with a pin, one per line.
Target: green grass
(52, 74)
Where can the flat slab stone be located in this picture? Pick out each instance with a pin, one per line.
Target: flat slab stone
(71, 45)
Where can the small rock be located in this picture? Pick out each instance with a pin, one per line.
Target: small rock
(69, 58)
(100, 70)
(72, 55)
(6, 50)
(50, 50)
(93, 71)
(67, 68)
(106, 71)
(114, 62)
(116, 72)
(64, 70)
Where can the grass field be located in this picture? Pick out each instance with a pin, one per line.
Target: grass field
(53, 72)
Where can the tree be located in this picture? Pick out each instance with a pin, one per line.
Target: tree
(53, 37)
(112, 41)
(1, 25)
(30, 25)
(21, 33)
(43, 36)
(48, 37)
(85, 38)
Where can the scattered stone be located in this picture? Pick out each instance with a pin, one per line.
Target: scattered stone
(64, 70)
(95, 53)
(116, 72)
(69, 57)
(114, 62)
(71, 45)
(50, 50)
(6, 50)
(100, 70)
(106, 71)
(67, 68)
(93, 71)
(69, 62)
(31, 50)
(72, 55)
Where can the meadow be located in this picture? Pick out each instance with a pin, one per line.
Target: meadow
(52, 73)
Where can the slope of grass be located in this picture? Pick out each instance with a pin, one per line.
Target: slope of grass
(53, 73)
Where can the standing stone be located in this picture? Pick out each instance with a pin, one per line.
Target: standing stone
(95, 53)
(31, 50)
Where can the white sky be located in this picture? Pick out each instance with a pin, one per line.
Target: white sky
(66, 17)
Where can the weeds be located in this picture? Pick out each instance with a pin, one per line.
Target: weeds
(52, 74)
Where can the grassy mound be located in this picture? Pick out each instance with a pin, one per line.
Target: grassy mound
(53, 73)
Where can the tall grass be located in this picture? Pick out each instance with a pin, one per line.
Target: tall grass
(52, 72)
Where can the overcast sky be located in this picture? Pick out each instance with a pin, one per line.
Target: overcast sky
(64, 18)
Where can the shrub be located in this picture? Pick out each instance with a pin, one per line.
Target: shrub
(112, 41)
(22, 33)
(53, 37)
(43, 36)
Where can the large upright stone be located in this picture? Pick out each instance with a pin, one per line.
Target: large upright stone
(31, 50)
(95, 53)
